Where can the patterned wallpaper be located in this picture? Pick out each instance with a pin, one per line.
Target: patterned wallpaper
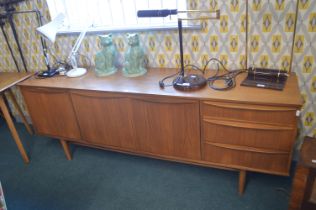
(270, 32)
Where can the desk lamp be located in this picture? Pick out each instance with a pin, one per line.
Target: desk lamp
(50, 30)
(182, 82)
(76, 72)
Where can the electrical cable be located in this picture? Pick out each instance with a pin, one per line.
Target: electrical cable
(214, 59)
(229, 77)
(195, 68)
(163, 85)
(64, 64)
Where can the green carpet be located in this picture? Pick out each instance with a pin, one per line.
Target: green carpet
(98, 179)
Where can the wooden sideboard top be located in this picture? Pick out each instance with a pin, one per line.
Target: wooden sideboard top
(148, 85)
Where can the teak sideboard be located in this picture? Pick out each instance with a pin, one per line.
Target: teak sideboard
(246, 129)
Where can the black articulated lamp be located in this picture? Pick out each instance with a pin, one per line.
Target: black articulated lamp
(182, 81)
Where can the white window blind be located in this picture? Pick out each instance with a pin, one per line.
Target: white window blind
(113, 14)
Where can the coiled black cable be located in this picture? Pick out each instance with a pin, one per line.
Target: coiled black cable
(229, 77)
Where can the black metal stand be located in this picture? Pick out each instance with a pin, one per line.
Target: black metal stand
(181, 46)
(2, 23)
(191, 81)
(8, 15)
(10, 18)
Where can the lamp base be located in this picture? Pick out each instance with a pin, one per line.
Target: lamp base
(48, 73)
(77, 72)
(189, 82)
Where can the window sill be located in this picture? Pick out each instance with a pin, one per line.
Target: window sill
(102, 30)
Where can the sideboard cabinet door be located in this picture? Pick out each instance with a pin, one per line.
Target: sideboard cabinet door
(52, 112)
(105, 119)
(167, 126)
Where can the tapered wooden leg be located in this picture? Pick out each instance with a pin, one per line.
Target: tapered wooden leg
(14, 133)
(242, 181)
(16, 105)
(65, 146)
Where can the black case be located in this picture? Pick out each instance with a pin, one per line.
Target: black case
(266, 78)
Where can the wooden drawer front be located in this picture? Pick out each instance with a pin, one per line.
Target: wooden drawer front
(247, 158)
(52, 112)
(248, 134)
(255, 113)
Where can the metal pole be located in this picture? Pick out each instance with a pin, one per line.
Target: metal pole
(247, 16)
(181, 46)
(294, 34)
(40, 22)
(16, 39)
(9, 46)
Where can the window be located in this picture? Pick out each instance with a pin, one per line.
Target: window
(113, 15)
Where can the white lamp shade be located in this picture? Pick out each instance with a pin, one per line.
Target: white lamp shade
(50, 29)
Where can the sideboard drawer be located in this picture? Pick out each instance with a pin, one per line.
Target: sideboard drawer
(247, 158)
(242, 133)
(249, 112)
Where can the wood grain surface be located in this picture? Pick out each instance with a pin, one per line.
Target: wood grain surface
(51, 112)
(148, 84)
(248, 129)
(9, 79)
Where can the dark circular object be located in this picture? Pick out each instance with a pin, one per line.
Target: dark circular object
(189, 82)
